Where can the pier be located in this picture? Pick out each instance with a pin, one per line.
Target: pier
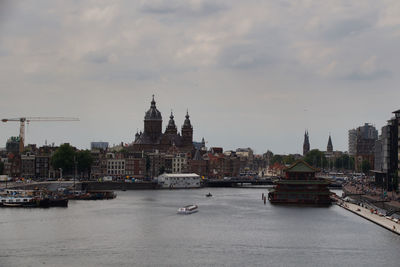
(366, 213)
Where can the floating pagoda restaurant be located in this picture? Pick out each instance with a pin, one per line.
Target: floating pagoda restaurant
(300, 186)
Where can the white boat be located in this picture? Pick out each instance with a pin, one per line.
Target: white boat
(188, 209)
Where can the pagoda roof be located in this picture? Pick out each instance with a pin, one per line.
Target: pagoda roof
(299, 182)
(301, 192)
(300, 166)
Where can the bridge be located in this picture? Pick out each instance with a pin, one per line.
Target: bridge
(236, 182)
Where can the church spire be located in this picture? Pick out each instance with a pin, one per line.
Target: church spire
(329, 147)
(187, 121)
(171, 127)
(306, 144)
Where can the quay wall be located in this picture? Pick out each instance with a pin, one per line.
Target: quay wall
(366, 214)
(382, 205)
(118, 186)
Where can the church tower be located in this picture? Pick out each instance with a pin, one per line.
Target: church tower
(329, 148)
(306, 144)
(171, 127)
(187, 132)
(153, 122)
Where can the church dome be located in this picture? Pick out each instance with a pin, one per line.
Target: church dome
(153, 113)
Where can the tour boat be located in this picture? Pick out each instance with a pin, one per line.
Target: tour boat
(16, 201)
(188, 209)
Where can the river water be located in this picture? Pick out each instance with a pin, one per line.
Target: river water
(232, 228)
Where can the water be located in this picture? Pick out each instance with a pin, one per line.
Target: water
(232, 228)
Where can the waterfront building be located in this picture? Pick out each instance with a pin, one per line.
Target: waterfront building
(396, 142)
(365, 145)
(387, 156)
(179, 163)
(28, 165)
(115, 165)
(300, 186)
(152, 138)
(306, 143)
(135, 165)
(198, 165)
(362, 144)
(179, 180)
(352, 142)
(12, 145)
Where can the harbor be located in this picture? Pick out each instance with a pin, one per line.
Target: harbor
(143, 228)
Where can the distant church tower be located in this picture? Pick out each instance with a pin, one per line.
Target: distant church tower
(153, 122)
(306, 144)
(171, 127)
(329, 148)
(187, 131)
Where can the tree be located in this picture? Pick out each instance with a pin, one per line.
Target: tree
(1, 167)
(64, 158)
(316, 159)
(344, 162)
(276, 158)
(289, 159)
(85, 160)
(365, 166)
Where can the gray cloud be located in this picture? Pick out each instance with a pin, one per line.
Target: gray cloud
(245, 57)
(182, 7)
(249, 64)
(362, 76)
(97, 57)
(347, 27)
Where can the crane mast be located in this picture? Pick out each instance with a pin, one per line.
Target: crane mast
(29, 119)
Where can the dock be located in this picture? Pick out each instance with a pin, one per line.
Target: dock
(366, 213)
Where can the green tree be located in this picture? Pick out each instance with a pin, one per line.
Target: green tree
(344, 162)
(365, 166)
(85, 160)
(316, 159)
(276, 158)
(63, 158)
(289, 159)
(1, 167)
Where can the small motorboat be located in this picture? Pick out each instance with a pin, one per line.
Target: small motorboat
(209, 195)
(188, 209)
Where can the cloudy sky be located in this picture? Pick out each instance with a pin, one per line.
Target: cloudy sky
(251, 73)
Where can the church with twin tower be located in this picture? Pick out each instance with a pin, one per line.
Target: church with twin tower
(152, 138)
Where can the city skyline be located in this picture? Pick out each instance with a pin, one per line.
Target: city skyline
(248, 81)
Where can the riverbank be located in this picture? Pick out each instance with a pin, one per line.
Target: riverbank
(390, 202)
(366, 213)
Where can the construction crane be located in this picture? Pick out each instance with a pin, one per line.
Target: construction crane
(29, 119)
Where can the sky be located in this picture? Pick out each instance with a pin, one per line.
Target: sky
(251, 73)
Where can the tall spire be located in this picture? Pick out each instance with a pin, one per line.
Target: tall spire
(329, 147)
(306, 144)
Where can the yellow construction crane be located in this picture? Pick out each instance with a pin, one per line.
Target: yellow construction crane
(29, 119)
